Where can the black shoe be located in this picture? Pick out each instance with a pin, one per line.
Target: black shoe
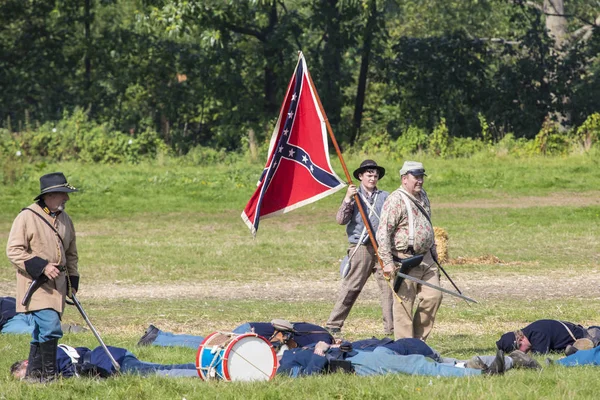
(522, 360)
(334, 330)
(48, 350)
(497, 366)
(34, 364)
(339, 366)
(149, 336)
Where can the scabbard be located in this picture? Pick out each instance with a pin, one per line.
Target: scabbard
(406, 265)
(35, 285)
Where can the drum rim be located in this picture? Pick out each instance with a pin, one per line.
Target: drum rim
(199, 356)
(229, 347)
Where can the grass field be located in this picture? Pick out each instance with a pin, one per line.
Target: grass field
(165, 244)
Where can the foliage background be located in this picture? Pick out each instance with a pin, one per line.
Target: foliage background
(212, 73)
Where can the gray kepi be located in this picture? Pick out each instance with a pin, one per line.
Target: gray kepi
(414, 168)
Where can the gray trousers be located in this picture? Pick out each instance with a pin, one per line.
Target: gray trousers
(363, 264)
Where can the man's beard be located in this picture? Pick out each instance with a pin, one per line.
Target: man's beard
(62, 207)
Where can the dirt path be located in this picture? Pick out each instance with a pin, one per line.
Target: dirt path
(575, 199)
(480, 286)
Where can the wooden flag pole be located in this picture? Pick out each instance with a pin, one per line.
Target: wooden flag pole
(349, 179)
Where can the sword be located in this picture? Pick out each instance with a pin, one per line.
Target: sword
(441, 289)
(445, 273)
(87, 320)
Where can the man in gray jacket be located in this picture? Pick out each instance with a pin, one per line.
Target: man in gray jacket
(361, 260)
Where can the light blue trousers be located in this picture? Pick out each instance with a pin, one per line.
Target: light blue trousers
(46, 325)
(383, 361)
(132, 365)
(20, 323)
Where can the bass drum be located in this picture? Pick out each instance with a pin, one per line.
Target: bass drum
(232, 357)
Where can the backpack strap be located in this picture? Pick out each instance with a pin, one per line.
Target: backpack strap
(418, 204)
(371, 212)
(568, 330)
(411, 221)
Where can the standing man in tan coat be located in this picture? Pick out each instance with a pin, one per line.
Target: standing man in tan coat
(42, 247)
(405, 230)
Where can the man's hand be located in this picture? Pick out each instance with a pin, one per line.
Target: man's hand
(352, 190)
(388, 270)
(321, 348)
(51, 271)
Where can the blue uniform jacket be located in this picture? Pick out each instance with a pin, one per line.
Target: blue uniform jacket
(99, 358)
(545, 335)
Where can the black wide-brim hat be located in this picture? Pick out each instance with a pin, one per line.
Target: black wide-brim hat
(54, 182)
(368, 164)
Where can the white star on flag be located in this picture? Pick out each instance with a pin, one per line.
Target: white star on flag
(291, 153)
(304, 159)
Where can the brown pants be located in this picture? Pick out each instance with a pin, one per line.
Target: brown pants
(363, 264)
(419, 324)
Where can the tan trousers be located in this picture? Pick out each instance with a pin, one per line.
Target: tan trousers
(363, 264)
(420, 323)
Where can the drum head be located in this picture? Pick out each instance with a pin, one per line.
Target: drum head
(249, 357)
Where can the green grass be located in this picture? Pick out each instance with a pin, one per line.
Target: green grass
(166, 225)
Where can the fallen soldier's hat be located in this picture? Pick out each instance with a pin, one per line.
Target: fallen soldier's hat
(580, 344)
(282, 325)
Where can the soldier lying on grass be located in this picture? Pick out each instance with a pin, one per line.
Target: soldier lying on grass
(380, 360)
(548, 335)
(403, 347)
(81, 361)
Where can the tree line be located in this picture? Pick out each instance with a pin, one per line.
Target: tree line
(213, 73)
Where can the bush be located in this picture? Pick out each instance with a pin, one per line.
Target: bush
(549, 140)
(201, 155)
(439, 144)
(411, 141)
(509, 145)
(589, 132)
(378, 143)
(465, 147)
(76, 138)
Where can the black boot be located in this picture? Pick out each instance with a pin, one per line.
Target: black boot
(34, 363)
(48, 350)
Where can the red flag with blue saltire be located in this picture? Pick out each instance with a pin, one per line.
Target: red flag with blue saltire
(298, 170)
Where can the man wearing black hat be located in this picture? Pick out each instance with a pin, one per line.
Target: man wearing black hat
(41, 246)
(361, 260)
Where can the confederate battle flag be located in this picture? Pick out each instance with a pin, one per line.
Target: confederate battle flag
(298, 171)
